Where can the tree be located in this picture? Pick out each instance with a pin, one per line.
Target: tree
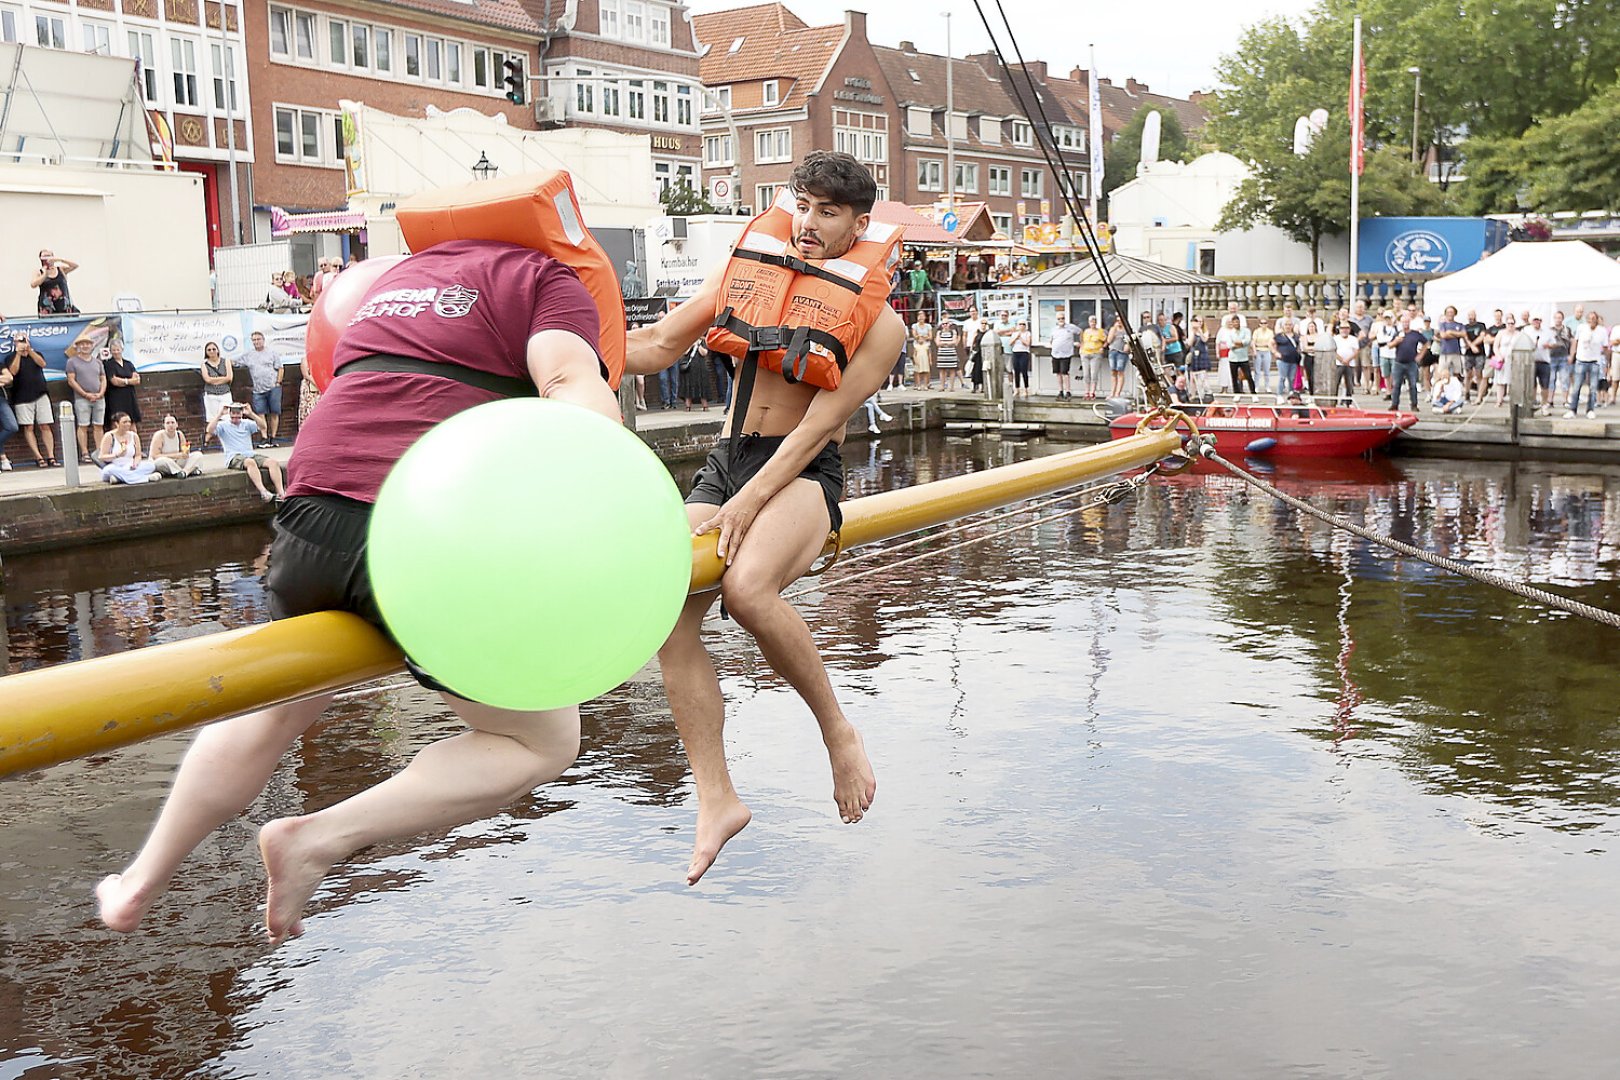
(1308, 197)
(1568, 162)
(682, 199)
(1122, 154)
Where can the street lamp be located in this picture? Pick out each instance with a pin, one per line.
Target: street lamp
(1417, 90)
(483, 168)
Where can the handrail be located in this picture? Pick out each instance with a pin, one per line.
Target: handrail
(89, 706)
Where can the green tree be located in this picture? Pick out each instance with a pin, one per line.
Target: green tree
(1122, 154)
(1568, 162)
(681, 199)
(1308, 197)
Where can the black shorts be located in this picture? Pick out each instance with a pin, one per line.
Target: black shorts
(718, 481)
(1543, 374)
(318, 563)
(1061, 364)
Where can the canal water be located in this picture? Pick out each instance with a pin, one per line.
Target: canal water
(1186, 786)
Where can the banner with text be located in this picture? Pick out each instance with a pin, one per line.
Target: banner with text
(54, 336)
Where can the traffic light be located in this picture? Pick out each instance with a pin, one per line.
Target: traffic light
(515, 85)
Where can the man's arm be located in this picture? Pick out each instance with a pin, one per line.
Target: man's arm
(829, 411)
(565, 368)
(208, 432)
(651, 349)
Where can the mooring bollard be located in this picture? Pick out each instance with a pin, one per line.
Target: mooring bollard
(65, 436)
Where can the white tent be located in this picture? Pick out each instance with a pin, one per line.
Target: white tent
(1536, 277)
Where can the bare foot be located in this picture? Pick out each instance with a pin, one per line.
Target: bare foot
(854, 784)
(715, 827)
(122, 905)
(294, 869)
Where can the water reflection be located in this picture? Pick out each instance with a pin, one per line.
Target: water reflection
(1142, 768)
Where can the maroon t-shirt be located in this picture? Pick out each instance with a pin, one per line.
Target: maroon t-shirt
(474, 303)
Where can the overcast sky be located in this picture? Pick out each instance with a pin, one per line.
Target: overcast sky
(1172, 45)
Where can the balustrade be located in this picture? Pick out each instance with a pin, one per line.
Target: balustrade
(1265, 296)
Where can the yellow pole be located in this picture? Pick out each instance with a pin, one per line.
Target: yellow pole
(54, 714)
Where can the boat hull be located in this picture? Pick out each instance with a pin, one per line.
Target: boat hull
(1302, 431)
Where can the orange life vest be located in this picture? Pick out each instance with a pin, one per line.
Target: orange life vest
(801, 318)
(534, 212)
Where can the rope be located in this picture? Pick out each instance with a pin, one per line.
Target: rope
(1518, 588)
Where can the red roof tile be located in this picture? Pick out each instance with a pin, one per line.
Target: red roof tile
(507, 14)
(917, 227)
(766, 41)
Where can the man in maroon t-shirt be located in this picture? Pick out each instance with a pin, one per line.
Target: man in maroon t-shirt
(455, 326)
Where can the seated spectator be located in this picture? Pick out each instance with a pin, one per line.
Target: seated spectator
(278, 299)
(236, 429)
(1449, 394)
(55, 296)
(171, 453)
(264, 368)
(121, 458)
(87, 378)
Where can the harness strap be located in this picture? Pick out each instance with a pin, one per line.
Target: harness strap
(768, 338)
(798, 266)
(504, 385)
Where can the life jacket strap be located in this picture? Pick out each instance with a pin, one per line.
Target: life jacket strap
(795, 341)
(504, 385)
(798, 266)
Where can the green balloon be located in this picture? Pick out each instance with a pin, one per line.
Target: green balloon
(530, 554)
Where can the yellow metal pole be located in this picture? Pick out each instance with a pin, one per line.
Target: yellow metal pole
(54, 714)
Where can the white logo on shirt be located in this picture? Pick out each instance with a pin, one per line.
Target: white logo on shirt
(455, 302)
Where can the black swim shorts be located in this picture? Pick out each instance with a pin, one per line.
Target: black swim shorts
(318, 563)
(718, 481)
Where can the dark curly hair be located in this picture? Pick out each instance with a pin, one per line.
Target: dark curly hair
(838, 177)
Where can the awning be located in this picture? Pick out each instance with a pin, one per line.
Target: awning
(918, 230)
(285, 224)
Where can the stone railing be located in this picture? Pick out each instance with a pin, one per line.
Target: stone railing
(1265, 296)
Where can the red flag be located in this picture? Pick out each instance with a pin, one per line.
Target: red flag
(1358, 97)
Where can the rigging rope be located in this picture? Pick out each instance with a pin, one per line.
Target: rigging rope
(1152, 385)
(1486, 577)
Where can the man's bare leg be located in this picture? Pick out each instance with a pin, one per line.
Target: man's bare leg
(693, 691)
(783, 542)
(456, 780)
(224, 771)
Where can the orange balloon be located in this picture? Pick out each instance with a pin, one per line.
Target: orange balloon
(334, 308)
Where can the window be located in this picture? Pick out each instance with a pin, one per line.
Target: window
(660, 102)
(361, 39)
(658, 26)
(1002, 223)
(9, 18)
(143, 48)
(967, 177)
(1000, 180)
(50, 31)
(309, 136)
(717, 150)
(686, 174)
(337, 40)
(224, 64)
(919, 120)
(764, 196)
(97, 38)
(716, 99)
(636, 100)
(610, 95)
(609, 18)
(930, 174)
(862, 135)
(1029, 183)
(280, 32)
(989, 130)
(452, 63)
(1022, 135)
(771, 92)
(635, 20)
(773, 144)
(431, 48)
(382, 54)
(584, 92)
(413, 55)
(1069, 138)
(683, 106)
(183, 52)
(304, 35)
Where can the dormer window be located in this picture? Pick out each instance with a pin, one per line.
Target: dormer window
(772, 92)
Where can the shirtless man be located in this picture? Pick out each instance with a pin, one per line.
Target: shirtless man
(773, 511)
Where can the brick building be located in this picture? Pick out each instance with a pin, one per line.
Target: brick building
(629, 66)
(781, 88)
(400, 56)
(191, 77)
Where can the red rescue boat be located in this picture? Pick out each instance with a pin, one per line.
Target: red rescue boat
(1292, 430)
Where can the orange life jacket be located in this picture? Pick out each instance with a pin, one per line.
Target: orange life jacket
(801, 318)
(534, 212)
